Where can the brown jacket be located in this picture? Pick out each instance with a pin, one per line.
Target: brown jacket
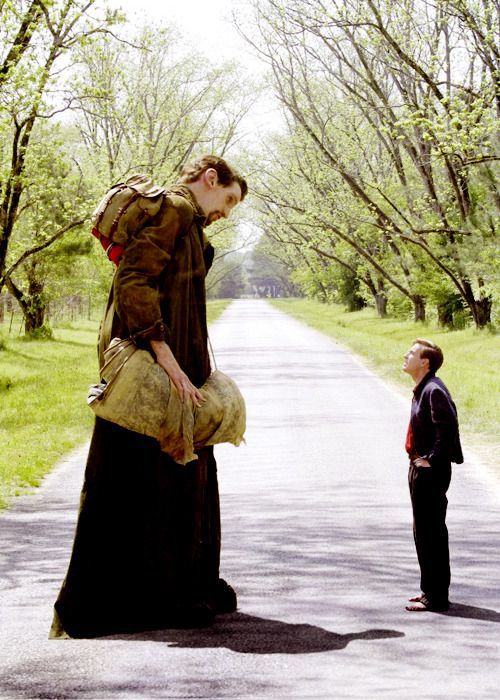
(158, 291)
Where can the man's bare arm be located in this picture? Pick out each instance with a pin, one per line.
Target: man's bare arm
(180, 380)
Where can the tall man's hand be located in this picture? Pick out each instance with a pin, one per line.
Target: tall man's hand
(180, 380)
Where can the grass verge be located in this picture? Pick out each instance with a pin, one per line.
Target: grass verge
(43, 411)
(471, 368)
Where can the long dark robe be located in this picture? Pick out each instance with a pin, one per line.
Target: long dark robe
(147, 542)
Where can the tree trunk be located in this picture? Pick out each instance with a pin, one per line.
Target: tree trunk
(378, 294)
(419, 307)
(356, 303)
(445, 315)
(323, 294)
(483, 312)
(2, 308)
(32, 304)
(447, 307)
(381, 304)
(34, 313)
(480, 308)
(34, 316)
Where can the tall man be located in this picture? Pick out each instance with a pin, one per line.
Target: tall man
(147, 543)
(432, 443)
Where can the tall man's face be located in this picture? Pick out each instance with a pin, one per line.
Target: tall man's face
(220, 201)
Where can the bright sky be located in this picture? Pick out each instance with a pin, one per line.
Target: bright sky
(206, 23)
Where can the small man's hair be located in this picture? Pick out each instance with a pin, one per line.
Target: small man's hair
(225, 174)
(430, 351)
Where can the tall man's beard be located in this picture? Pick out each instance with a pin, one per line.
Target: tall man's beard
(213, 216)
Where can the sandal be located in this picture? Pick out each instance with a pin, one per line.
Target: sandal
(418, 606)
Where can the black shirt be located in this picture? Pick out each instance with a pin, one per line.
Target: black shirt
(434, 422)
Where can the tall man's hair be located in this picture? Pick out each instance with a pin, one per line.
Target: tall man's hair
(430, 351)
(225, 174)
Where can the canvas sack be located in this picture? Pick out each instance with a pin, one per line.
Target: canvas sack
(137, 394)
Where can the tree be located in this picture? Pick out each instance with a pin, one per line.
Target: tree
(54, 203)
(298, 196)
(130, 105)
(19, 25)
(37, 36)
(405, 127)
(271, 268)
(148, 106)
(229, 280)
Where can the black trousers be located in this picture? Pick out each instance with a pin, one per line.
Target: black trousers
(147, 541)
(428, 487)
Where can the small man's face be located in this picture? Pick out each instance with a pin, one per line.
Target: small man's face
(221, 201)
(413, 362)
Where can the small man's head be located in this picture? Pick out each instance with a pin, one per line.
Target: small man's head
(217, 187)
(423, 357)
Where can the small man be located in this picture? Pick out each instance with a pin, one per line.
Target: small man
(432, 443)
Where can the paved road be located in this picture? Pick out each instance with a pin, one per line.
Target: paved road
(316, 539)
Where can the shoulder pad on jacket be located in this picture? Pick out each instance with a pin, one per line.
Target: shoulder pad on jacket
(182, 204)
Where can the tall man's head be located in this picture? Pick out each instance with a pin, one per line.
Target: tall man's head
(423, 357)
(217, 187)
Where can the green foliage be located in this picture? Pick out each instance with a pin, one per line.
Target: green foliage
(54, 199)
(398, 306)
(404, 172)
(269, 272)
(228, 279)
(32, 91)
(348, 290)
(143, 103)
(149, 104)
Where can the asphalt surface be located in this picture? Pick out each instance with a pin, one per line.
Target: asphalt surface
(316, 539)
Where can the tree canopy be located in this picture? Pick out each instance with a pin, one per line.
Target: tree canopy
(83, 104)
(381, 188)
(389, 165)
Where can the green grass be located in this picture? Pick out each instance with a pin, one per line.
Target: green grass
(471, 369)
(43, 385)
(215, 307)
(43, 389)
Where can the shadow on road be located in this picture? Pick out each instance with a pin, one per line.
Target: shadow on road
(472, 612)
(248, 634)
